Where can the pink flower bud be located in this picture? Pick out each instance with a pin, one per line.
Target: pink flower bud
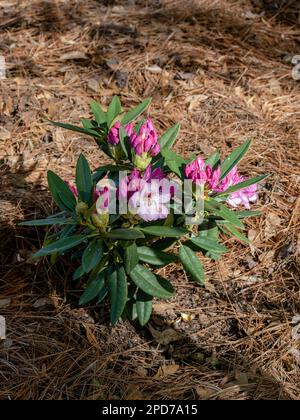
(113, 137)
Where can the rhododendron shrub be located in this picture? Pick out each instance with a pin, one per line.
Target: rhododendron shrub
(150, 207)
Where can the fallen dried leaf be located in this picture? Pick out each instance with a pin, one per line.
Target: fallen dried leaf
(187, 317)
(194, 101)
(4, 134)
(166, 336)
(272, 225)
(74, 55)
(134, 393)
(2, 328)
(5, 302)
(42, 302)
(154, 69)
(203, 392)
(94, 84)
(166, 370)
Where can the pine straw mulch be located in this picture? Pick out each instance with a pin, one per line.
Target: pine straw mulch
(223, 68)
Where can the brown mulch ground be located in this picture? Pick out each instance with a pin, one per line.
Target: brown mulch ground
(223, 68)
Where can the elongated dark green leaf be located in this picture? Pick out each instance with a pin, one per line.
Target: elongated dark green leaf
(209, 229)
(92, 255)
(125, 234)
(93, 288)
(248, 213)
(191, 264)
(228, 228)
(113, 168)
(136, 111)
(244, 184)
(173, 161)
(213, 160)
(88, 132)
(84, 181)
(154, 256)
(61, 245)
(114, 109)
(88, 124)
(124, 143)
(79, 272)
(163, 244)
(131, 257)
(45, 222)
(143, 307)
(170, 232)
(222, 211)
(67, 231)
(234, 158)
(102, 294)
(168, 138)
(61, 193)
(99, 114)
(208, 244)
(130, 310)
(117, 286)
(149, 283)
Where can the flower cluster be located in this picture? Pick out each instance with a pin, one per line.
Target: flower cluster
(200, 173)
(147, 194)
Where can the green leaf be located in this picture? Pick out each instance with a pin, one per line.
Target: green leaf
(151, 284)
(114, 109)
(102, 294)
(234, 158)
(170, 232)
(117, 286)
(61, 193)
(93, 288)
(208, 244)
(243, 184)
(227, 227)
(168, 138)
(222, 211)
(131, 257)
(45, 222)
(213, 160)
(191, 264)
(173, 161)
(143, 307)
(154, 256)
(92, 255)
(247, 213)
(88, 124)
(89, 132)
(79, 272)
(113, 168)
(135, 112)
(209, 229)
(67, 231)
(61, 245)
(163, 244)
(138, 125)
(99, 114)
(84, 181)
(124, 142)
(125, 234)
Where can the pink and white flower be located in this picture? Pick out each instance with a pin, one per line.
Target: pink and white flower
(147, 194)
(200, 173)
